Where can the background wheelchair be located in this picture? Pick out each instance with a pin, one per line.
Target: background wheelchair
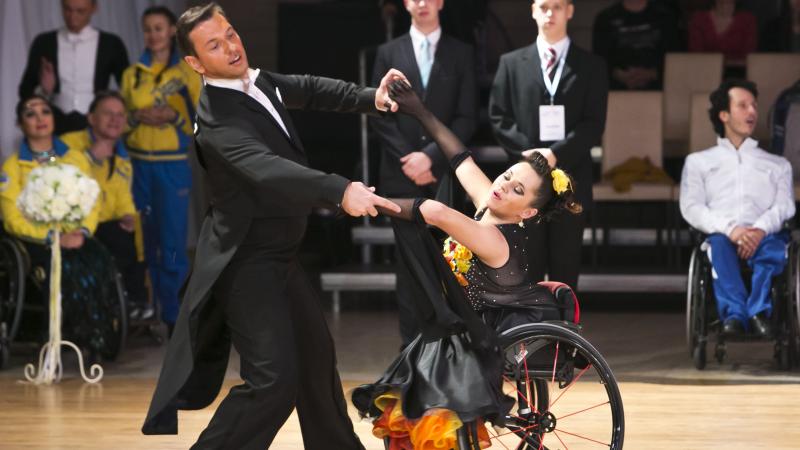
(567, 396)
(702, 318)
(24, 309)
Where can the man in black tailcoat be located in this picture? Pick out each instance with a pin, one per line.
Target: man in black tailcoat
(246, 286)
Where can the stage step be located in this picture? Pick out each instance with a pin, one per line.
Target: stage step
(382, 279)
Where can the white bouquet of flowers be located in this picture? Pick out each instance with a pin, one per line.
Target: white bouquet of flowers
(58, 195)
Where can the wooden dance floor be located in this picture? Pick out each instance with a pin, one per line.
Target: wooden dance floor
(743, 404)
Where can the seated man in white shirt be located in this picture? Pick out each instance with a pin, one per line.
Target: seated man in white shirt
(740, 195)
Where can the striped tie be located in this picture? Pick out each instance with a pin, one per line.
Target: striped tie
(551, 63)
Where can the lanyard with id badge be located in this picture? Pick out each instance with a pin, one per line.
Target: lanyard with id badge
(552, 126)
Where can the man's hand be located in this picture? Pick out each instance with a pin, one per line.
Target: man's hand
(360, 200)
(546, 152)
(736, 235)
(382, 100)
(47, 76)
(127, 223)
(73, 239)
(750, 240)
(417, 167)
(102, 149)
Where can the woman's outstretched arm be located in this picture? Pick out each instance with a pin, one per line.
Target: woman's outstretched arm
(475, 182)
(484, 240)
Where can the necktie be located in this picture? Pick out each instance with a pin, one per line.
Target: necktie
(551, 63)
(425, 62)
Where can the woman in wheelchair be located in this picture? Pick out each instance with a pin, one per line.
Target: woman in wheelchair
(488, 257)
(89, 286)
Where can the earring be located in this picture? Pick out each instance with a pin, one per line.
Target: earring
(521, 223)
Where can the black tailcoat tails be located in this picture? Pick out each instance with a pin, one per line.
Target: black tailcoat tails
(246, 286)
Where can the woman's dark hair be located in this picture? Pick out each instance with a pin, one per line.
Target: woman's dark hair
(21, 105)
(99, 98)
(190, 19)
(163, 11)
(721, 101)
(547, 201)
(170, 16)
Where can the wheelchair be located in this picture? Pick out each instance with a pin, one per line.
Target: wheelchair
(702, 318)
(24, 309)
(566, 394)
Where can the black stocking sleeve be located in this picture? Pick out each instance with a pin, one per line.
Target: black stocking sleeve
(410, 104)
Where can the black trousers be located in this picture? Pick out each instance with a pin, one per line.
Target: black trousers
(554, 248)
(123, 248)
(288, 360)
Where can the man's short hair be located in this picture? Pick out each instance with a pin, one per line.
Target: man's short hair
(101, 96)
(721, 101)
(189, 20)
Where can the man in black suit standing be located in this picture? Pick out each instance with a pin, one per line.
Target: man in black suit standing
(551, 97)
(441, 70)
(246, 286)
(70, 64)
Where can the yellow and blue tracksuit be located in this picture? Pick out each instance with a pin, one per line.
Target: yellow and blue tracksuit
(116, 201)
(12, 181)
(162, 178)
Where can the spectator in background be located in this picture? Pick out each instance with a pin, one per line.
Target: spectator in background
(633, 36)
(551, 97)
(739, 195)
(161, 93)
(70, 64)
(101, 148)
(726, 30)
(441, 70)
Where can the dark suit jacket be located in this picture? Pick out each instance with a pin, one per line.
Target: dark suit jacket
(254, 171)
(112, 59)
(451, 95)
(519, 90)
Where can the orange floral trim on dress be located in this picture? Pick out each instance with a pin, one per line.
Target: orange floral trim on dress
(435, 430)
(459, 258)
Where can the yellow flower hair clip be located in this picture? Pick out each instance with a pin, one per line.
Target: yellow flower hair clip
(560, 181)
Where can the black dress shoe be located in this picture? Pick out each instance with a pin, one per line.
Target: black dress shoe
(760, 326)
(732, 326)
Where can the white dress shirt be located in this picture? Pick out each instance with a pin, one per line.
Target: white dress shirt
(561, 47)
(416, 42)
(77, 56)
(722, 188)
(248, 86)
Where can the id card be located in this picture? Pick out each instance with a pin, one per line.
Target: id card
(551, 123)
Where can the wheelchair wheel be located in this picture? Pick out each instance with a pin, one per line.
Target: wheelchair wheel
(13, 268)
(698, 284)
(114, 329)
(566, 394)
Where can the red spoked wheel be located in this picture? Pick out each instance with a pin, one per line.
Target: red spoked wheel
(567, 397)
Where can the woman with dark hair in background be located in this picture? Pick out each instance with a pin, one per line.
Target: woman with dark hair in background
(161, 93)
(726, 29)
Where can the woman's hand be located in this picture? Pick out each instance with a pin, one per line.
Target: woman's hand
(73, 239)
(127, 223)
(407, 100)
(155, 115)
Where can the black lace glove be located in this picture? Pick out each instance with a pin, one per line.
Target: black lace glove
(410, 103)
